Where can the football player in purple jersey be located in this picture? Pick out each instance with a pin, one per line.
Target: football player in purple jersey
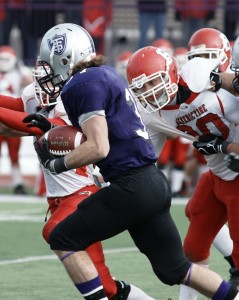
(138, 198)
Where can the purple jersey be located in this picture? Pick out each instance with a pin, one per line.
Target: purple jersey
(102, 89)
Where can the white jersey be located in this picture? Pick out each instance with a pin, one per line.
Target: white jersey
(208, 113)
(159, 129)
(68, 182)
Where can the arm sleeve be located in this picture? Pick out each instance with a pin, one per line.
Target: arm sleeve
(11, 103)
(13, 119)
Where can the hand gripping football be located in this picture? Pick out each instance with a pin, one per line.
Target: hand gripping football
(63, 139)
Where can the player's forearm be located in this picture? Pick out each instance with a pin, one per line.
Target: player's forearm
(233, 147)
(8, 132)
(11, 103)
(13, 119)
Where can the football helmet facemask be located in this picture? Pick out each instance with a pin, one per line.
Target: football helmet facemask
(61, 48)
(210, 43)
(39, 73)
(235, 65)
(158, 70)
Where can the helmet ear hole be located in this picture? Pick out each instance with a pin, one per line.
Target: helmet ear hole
(64, 61)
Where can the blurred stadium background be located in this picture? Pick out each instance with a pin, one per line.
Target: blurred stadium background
(123, 32)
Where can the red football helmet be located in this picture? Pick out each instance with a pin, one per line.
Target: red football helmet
(121, 63)
(164, 44)
(8, 58)
(180, 53)
(153, 69)
(210, 43)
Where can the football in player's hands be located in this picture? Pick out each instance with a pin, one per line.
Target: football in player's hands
(63, 139)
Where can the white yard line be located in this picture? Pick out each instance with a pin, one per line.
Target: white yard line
(27, 215)
(21, 218)
(53, 257)
(35, 199)
(21, 199)
(23, 211)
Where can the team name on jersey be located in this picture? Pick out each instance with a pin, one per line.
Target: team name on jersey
(192, 115)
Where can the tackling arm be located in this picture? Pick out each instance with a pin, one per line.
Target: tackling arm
(13, 119)
(233, 157)
(11, 103)
(233, 147)
(8, 132)
(211, 145)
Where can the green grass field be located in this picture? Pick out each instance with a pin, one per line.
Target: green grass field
(29, 270)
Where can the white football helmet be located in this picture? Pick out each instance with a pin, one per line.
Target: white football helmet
(153, 67)
(235, 65)
(235, 56)
(8, 59)
(61, 48)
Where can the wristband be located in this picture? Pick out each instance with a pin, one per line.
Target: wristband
(58, 165)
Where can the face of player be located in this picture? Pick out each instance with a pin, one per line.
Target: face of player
(151, 91)
(43, 98)
(149, 85)
(153, 77)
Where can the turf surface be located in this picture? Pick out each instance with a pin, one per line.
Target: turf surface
(29, 270)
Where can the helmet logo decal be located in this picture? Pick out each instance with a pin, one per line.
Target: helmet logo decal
(166, 56)
(58, 42)
(225, 42)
